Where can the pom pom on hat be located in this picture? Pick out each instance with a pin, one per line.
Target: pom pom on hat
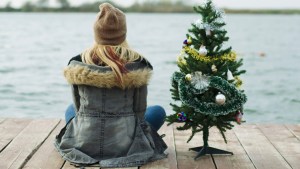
(110, 26)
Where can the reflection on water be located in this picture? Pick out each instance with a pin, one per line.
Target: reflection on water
(34, 49)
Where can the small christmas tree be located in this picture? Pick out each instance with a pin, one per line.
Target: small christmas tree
(207, 87)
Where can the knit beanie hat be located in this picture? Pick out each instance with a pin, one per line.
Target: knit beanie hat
(110, 26)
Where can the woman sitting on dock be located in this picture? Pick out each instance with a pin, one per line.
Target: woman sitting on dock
(109, 123)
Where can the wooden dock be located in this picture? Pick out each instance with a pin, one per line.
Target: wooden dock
(28, 143)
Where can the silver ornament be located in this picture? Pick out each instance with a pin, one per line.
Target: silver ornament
(200, 82)
(220, 99)
(203, 51)
(229, 75)
(208, 32)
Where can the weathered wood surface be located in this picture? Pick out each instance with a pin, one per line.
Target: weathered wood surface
(46, 157)
(239, 160)
(28, 143)
(25, 144)
(285, 143)
(259, 149)
(9, 129)
(169, 162)
(185, 158)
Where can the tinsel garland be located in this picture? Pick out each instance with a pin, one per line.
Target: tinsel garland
(187, 96)
(238, 82)
(181, 61)
(209, 59)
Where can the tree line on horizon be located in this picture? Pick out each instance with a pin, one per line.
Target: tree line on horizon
(65, 6)
(159, 6)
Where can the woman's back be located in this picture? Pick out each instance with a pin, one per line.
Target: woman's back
(109, 87)
(108, 127)
(98, 89)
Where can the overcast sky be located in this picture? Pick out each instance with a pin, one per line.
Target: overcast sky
(245, 4)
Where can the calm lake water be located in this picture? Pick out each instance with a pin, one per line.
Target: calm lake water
(34, 49)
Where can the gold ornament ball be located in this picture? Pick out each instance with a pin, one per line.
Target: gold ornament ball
(189, 41)
(188, 77)
(220, 99)
(214, 68)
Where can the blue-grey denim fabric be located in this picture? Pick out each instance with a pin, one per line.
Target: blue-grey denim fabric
(154, 115)
(109, 128)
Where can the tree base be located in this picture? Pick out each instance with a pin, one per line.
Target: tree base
(205, 150)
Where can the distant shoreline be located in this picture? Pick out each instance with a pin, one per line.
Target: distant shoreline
(146, 7)
(227, 11)
(263, 11)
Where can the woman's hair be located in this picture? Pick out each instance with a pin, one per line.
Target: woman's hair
(113, 56)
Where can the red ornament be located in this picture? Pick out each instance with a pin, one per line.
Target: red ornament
(239, 117)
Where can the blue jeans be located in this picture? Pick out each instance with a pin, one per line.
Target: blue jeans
(154, 115)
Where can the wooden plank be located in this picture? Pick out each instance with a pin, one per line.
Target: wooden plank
(122, 168)
(67, 165)
(9, 129)
(261, 152)
(185, 158)
(169, 162)
(240, 158)
(26, 143)
(47, 156)
(294, 159)
(284, 141)
(295, 129)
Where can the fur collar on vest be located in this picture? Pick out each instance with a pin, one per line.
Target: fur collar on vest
(78, 73)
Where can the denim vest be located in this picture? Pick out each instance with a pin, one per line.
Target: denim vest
(109, 126)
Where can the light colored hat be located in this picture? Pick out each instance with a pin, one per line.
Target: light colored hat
(110, 26)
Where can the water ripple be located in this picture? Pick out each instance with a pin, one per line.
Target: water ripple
(295, 101)
(31, 62)
(8, 70)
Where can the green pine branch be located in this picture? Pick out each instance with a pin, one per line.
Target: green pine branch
(199, 105)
